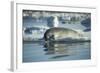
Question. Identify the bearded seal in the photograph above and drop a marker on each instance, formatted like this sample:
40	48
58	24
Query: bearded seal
60	33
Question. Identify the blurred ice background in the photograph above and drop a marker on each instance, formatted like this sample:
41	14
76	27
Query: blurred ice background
35	23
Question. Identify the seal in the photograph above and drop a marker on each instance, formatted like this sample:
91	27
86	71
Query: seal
60	33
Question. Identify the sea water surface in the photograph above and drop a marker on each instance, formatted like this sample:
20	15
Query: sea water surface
39	52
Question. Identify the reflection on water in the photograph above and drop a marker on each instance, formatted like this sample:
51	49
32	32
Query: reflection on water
35	52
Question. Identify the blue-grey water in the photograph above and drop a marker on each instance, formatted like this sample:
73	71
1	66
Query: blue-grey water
37	52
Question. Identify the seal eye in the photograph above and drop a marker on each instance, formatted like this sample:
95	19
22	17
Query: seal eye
50	38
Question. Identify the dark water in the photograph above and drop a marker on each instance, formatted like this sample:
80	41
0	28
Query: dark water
37	52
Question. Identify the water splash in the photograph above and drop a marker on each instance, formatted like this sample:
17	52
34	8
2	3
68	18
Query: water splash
56	22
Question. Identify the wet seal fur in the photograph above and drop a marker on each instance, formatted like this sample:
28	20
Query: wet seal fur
60	33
